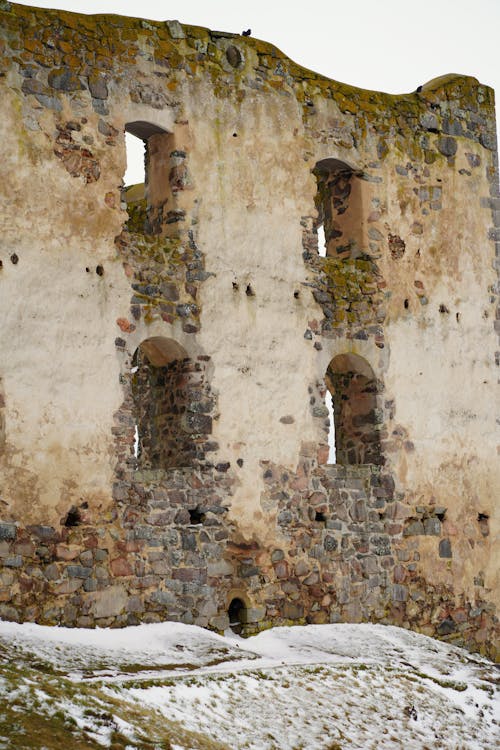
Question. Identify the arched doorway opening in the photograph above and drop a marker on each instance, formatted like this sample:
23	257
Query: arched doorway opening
161	389
354	389
237	614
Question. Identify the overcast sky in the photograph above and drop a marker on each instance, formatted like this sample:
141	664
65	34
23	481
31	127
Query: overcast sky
386	45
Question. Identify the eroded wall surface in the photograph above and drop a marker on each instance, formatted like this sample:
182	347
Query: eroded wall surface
166	354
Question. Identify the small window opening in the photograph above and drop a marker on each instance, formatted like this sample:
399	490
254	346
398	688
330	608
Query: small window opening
406	304
237	615
156	172
320	517
196	516
339	200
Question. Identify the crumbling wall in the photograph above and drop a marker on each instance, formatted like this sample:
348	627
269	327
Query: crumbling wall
197	315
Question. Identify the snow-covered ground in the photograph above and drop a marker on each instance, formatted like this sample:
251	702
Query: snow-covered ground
181	687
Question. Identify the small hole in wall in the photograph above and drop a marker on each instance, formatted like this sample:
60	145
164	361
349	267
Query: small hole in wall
87	269
14	259
99	270
235	135
482	519
234	56
73	517
320	517
443	309
296	294
406	304
457	316
196	516
249	291
237	615
239	461
1	263
441	515
236	286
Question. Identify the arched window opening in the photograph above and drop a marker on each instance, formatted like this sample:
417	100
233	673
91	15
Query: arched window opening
339	205
156	180
237	613
166	394
353	387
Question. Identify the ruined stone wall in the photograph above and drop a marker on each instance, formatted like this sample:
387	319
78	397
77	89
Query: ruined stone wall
200	315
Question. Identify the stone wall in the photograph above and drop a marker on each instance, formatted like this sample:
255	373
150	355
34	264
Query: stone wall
167	349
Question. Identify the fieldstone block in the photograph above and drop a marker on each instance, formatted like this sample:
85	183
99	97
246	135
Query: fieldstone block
429	121
381	545
432	526
15	561
8	613
63	79
330	543
445	548
446	627
284	518
399	593
87	559
78	571
97	86
293	611
51	572
255	614
175	29
7	531
108	603
447	146
69	586
302	568
44	533
247	570
358	511
414	528
120	566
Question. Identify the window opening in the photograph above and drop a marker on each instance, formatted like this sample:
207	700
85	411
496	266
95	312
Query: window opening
162	389
155	172
237	615
353	388
339	205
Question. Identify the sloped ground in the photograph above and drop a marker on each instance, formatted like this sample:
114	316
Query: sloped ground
171	686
